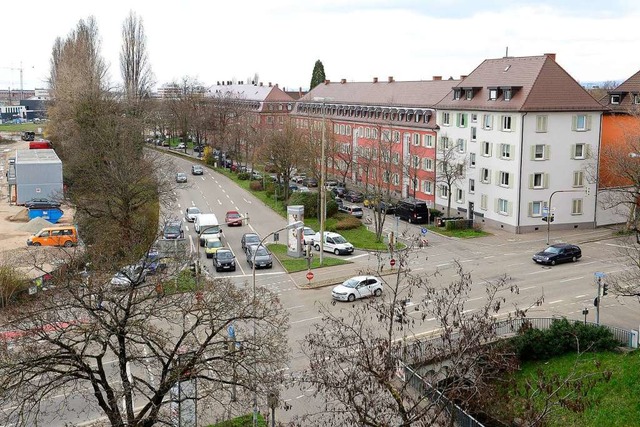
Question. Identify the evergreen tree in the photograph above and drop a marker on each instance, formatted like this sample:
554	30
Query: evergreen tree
317	76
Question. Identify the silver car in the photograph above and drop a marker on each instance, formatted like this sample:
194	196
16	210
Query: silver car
191	213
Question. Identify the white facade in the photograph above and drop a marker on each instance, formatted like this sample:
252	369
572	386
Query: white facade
517	160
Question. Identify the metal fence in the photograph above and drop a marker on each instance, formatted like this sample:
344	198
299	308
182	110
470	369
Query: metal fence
417	351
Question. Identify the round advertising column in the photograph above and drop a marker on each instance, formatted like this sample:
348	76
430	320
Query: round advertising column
294	238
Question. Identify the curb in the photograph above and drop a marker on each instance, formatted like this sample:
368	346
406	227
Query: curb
335	281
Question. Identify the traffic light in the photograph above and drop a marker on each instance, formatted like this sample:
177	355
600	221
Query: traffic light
605	289
544	218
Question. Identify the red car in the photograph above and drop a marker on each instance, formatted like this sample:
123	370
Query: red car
233	218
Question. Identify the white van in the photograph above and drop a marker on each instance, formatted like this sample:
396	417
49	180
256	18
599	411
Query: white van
206	225
333	242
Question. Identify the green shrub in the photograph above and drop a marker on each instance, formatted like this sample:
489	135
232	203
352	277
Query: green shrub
347	222
255	185
457	224
308	200
435	213
244	176
332	207
561	338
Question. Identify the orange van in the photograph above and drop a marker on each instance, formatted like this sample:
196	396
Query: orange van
63	235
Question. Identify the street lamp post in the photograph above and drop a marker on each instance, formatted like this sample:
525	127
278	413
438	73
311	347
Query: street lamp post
549	208
323	195
253	279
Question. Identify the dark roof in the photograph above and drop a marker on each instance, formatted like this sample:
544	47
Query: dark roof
423	93
626	90
538	83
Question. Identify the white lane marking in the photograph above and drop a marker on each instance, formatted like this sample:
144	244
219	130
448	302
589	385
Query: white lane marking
619	246
442	265
356	256
513	265
248	201
555	302
527	288
179	207
220	202
539	271
296	306
305	320
571	279
580	296
490	256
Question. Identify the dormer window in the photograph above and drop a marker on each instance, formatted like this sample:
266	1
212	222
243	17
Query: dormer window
636	98
615	98
507	94
456	94
493	94
468	94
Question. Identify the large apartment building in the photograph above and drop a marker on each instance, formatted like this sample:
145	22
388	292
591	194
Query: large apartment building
531	135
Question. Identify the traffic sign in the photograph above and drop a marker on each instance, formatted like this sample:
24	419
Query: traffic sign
309	275
423	230
232	332
392	262
545	211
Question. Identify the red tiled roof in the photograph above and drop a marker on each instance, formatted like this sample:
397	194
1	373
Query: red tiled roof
626	89
538	83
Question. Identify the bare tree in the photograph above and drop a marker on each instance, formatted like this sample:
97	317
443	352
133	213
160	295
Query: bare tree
134	61
126	349
450	168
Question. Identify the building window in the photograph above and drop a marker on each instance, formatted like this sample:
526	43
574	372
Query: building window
503	206
386	136
461	145
444	142
427	141
581	122
486	149
406	138
578	179
396	179
427	187
578	151
474	133
493	94
444	191
535	208
456	94
505	151
472	160
507	94
488	121
385	176
472	186
462	120
541	123
540	152
505	179
415	161
396	136
484	202
474	118
416	139
615	99
468	94
537	180
269	120
636	98
459	195
427	164
446	118
576	207
485	176
507	123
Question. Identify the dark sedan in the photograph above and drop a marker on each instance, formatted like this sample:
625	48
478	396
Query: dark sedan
41	204
310	182
354	196
555	254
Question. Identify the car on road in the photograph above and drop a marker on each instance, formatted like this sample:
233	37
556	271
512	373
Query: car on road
307	235
555	254
131	275
197	170
354	196
330	184
211	246
310	182
351	210
41	203
333	242
191	213
173	230
260	255
385	207
181	177
358	287
233	218
249	239
339	191
224	260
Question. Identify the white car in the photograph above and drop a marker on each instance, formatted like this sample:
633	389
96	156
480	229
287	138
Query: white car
308	235
358	287
191	213
333	242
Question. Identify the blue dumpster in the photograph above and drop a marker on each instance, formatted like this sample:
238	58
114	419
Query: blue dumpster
52	215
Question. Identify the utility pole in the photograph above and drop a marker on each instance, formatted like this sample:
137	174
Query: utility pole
599	276
549	211
323	193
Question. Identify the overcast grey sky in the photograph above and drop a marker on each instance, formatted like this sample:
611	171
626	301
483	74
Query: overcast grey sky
356	40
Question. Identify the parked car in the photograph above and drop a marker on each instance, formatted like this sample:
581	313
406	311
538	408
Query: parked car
59	235
354	196
249	239
333	242
330	184
299	178
181	146
211	246
351	210
197	170
198	148
310	182
358	287
233	218
224	260
173	230
412	210
191	213
339	191
256	176
41	203
555	254
181	177
385	207
293	188
260	255
131	275
302	189
307	235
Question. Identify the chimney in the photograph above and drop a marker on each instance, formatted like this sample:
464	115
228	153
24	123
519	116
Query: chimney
437	78
551	56
390	79
218	83
300	91
327	82
343	81
269	84
463	76
375	80
260	84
